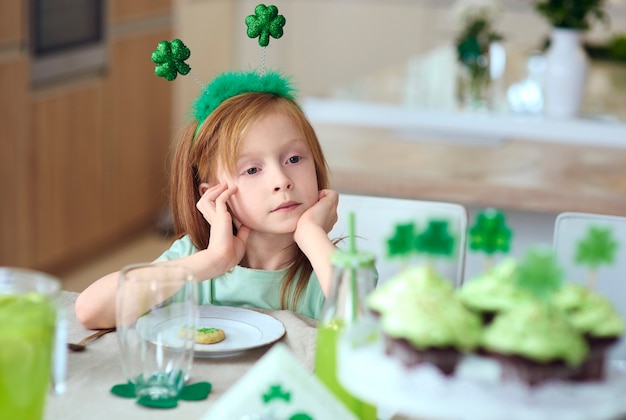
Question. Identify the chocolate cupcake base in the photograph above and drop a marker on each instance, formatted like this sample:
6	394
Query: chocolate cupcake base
594	366
528	372
445	359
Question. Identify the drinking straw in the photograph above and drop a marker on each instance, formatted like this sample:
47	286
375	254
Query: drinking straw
353	256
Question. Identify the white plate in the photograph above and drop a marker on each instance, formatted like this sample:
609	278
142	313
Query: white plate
245	329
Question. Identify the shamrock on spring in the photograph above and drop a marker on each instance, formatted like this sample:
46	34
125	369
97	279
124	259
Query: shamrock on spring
265	22
169	58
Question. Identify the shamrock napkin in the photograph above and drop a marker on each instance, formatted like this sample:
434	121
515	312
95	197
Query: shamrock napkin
279	387
192	392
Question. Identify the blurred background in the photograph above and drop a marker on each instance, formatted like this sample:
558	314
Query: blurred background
86	128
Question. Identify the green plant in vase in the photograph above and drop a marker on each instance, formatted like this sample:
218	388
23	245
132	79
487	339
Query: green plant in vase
566	60
598	247
571	14
472	50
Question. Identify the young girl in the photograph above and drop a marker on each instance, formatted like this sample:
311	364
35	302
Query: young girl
250	203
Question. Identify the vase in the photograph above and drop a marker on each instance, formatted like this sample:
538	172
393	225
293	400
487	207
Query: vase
473	88
566	74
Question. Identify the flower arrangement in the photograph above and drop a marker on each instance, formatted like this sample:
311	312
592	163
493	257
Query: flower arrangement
476	18
572	14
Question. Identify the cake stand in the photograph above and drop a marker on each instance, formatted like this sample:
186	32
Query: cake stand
474	392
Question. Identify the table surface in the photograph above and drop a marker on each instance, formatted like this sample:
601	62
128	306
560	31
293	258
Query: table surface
93	372
510	174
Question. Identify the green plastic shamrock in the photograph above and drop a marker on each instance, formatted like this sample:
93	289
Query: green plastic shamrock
490	234
539	272
435	240
596	248
264	23
169	58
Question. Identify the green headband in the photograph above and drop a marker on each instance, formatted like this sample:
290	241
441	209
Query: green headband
230	84
170	57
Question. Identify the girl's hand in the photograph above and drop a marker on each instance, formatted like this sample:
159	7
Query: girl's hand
322	214
225	248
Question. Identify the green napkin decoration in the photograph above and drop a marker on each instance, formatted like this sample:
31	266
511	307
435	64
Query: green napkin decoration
192	392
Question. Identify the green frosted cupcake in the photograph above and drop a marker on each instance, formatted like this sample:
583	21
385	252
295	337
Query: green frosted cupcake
595	317
431	328
409	285
535	342
494	291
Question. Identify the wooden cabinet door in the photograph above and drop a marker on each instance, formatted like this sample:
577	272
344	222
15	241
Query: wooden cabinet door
15	205
67	159
138	133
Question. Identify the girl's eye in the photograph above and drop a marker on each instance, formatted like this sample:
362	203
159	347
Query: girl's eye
294	159
252	171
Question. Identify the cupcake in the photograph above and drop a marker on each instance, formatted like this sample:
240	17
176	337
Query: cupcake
408	285
494	291
535	342
595	317
430	328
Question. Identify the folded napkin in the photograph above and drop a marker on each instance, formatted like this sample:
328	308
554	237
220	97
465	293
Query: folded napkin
278	387
192	392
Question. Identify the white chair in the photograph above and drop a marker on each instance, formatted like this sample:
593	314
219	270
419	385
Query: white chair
570	228
375	221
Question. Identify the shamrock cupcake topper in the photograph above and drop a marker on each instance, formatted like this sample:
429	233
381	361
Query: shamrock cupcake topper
539	273
434	241
490	234
598	247
170	61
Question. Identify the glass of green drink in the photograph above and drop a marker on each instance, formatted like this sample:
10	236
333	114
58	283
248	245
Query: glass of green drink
29	308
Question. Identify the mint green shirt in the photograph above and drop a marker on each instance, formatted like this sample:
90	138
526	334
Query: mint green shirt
246	287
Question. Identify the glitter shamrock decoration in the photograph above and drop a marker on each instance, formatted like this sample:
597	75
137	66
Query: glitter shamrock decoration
264	23
169	58
596	248
539	273
490	234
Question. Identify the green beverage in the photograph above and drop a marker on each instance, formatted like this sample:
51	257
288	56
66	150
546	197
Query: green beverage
326	369
27	328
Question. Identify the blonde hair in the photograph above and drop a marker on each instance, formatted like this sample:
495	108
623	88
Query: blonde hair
216	144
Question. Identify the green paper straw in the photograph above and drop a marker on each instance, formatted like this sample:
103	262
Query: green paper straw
351	235
352	248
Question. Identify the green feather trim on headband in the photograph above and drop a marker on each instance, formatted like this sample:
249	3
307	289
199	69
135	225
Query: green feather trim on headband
230	84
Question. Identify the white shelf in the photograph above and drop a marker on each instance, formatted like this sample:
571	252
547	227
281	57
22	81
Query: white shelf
464	126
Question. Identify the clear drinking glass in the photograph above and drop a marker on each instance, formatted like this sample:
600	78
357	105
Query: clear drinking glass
156	320
30	312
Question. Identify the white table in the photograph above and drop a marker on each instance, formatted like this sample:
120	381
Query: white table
93	372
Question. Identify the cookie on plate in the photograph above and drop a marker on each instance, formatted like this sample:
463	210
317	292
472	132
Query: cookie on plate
210	335
204	335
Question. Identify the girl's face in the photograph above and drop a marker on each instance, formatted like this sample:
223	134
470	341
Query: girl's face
275	176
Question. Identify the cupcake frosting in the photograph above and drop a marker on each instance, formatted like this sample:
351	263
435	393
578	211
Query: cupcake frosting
434	320
408	285
590	313
536	331
495	290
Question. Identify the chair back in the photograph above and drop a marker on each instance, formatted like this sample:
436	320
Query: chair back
375	222
608	279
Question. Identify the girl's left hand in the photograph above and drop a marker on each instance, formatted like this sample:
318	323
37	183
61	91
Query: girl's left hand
322	214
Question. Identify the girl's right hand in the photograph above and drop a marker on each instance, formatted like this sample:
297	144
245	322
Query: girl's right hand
225	248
